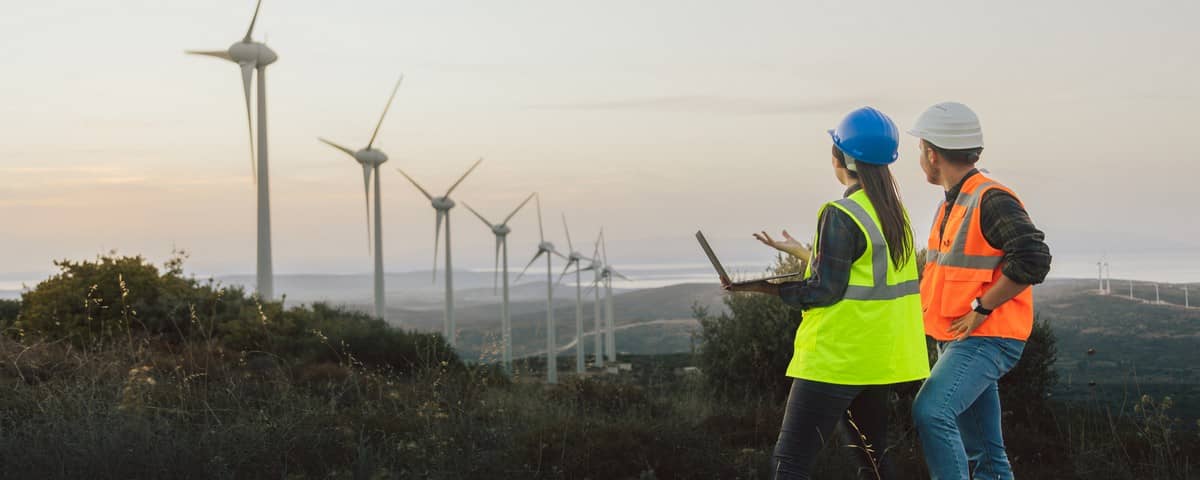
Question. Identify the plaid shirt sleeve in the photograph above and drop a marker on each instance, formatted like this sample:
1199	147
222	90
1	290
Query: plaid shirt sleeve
1007	226
840	243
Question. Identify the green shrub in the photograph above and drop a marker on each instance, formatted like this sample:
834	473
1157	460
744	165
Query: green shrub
745	352
111	297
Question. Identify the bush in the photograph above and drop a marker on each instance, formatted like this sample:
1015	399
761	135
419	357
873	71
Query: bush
1025	390
8	312
745	352
114	296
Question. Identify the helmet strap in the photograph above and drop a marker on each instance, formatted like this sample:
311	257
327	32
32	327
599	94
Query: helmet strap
850	164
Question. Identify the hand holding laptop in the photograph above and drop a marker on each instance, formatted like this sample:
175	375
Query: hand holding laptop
759	285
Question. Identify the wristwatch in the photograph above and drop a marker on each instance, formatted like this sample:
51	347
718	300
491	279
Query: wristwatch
978	306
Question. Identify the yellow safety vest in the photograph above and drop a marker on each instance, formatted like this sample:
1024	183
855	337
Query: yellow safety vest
874	335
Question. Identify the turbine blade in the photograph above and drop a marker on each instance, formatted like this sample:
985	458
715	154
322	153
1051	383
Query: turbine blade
604	247
415	184
596	251
515	210
564	273
484	220
222	54
247	75
589	289
339	147
253	20
367	203
385	110
496	268
437	238
570	246
464	176
541	232
530	264
618	274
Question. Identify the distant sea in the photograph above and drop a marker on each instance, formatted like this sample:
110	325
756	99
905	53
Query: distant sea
1177	266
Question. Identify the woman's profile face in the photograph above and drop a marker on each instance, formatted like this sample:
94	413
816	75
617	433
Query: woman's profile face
838	171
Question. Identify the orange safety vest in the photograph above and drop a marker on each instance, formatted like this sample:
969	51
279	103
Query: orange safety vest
960	266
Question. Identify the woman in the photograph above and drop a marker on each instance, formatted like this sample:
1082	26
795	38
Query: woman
862	330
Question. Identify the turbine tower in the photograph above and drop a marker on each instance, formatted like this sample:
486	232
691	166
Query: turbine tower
371	159
573	258
1108	276
251	56
606	273
1100	269
596	267
501	231
547	249
442	205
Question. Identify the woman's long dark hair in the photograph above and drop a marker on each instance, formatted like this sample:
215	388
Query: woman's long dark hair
880	186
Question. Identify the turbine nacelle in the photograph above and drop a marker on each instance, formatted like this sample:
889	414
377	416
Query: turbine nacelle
501	230
370	157
546	247
443	203
255	53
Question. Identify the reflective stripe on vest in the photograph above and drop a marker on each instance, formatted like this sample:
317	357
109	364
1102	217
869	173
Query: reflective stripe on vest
957	256
880	290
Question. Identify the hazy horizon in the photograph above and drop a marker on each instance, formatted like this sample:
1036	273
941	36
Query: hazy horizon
652	120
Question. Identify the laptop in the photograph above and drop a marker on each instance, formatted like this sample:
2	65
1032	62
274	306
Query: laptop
712	257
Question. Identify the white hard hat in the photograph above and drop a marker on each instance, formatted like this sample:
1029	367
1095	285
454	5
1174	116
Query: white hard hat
949	125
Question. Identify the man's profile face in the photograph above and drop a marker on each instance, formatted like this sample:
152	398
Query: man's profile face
926	158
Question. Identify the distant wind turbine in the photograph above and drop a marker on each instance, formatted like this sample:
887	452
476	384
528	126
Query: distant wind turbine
596	267
573	258
251	56
501	230
442	205
371	159
607	272
1108	277
547	249
1100	269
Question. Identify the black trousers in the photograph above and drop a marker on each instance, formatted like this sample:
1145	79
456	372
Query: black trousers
814	409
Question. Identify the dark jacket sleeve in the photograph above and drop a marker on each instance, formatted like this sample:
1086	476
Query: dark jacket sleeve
840	242
1007	227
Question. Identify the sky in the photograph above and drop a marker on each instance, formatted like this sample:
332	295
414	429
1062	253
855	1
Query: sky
652	119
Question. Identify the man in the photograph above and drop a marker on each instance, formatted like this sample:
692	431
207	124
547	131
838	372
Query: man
983	256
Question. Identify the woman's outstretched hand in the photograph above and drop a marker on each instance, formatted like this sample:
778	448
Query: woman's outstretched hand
787	245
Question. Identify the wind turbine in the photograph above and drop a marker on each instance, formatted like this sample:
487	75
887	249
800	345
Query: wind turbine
251	56
547	249
1100	269
442	205
573	258
501	231
606	273
596	266
371	159
1108	275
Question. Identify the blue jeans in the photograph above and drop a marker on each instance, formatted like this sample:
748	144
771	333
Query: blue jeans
957	411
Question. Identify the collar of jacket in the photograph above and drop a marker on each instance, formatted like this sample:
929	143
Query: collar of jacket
952	194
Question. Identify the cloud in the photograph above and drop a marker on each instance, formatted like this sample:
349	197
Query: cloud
714	104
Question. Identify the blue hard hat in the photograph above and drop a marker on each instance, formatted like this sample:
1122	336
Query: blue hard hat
869	136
